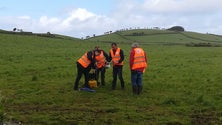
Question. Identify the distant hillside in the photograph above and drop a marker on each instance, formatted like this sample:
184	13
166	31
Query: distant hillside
48	34
146	36
158	37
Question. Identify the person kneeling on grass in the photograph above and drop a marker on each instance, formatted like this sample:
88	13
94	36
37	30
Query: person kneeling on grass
138	64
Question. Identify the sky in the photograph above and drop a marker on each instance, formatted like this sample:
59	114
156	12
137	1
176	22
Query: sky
81	18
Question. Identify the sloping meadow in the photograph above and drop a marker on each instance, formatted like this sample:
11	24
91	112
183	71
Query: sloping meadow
182	85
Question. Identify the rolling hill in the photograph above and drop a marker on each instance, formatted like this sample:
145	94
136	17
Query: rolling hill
159	37
182	85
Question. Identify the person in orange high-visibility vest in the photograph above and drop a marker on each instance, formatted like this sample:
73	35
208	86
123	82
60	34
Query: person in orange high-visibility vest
101	58
138	64
116	55
84	65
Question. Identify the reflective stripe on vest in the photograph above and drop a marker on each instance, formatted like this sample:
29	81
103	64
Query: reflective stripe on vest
139	59
116	57
84	61
100	60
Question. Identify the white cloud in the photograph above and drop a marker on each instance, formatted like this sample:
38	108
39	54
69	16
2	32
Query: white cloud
10	22
193	15
78	23
45	21
80	14
182	6
76	16
24	17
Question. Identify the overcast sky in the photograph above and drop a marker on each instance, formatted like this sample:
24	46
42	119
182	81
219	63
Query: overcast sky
79	18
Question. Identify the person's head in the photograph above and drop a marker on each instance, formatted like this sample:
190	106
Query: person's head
135	45
114	46
97	52
97	48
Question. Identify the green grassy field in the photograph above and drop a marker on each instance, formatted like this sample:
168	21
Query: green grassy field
182	85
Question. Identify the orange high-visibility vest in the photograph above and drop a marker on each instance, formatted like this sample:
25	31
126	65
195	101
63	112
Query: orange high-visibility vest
116	57
139	59
84	61
100	60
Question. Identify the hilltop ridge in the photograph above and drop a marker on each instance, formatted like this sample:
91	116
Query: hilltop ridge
151	36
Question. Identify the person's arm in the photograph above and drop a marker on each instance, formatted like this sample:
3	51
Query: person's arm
91	57
106	55
145	57
131	60
121	56
110	57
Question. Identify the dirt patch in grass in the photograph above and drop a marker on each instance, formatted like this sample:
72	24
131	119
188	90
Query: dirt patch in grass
49	108
64	114
206	117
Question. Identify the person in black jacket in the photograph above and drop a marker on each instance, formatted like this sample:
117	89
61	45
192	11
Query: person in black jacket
117	56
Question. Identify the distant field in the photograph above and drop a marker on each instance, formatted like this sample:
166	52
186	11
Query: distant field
182	85
159	37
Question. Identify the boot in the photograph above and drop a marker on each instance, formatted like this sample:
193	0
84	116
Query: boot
75	86
139	90
134	90
98	83
113	86
103	82
122	85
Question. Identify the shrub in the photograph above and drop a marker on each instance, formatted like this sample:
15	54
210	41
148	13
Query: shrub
176	28
201	45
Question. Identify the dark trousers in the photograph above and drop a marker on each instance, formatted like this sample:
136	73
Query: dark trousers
117	71
101	71
136	80
81	70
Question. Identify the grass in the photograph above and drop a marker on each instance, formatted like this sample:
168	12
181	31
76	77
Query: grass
181	86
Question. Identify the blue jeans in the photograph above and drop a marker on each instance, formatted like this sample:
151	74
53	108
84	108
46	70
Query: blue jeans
136	78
